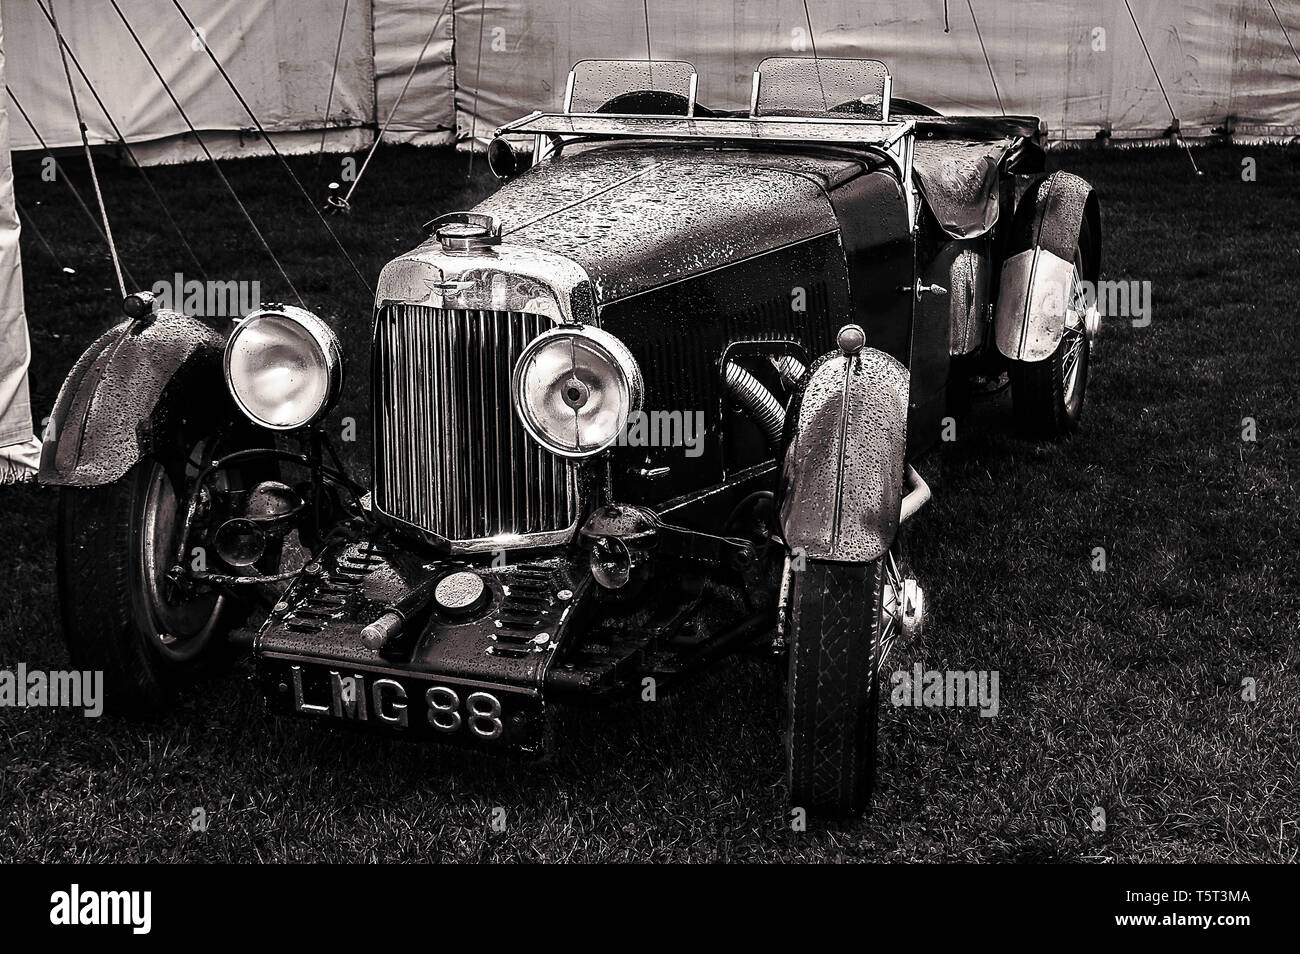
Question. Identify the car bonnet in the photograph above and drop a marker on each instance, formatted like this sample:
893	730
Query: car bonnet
639	217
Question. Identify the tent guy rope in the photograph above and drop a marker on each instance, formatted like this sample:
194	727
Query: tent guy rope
61	174
345	203
208	153
126	147
1173	115
334	75
90	159
984	50
274	149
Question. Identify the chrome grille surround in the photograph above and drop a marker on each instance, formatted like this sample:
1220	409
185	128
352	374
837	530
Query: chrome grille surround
451	460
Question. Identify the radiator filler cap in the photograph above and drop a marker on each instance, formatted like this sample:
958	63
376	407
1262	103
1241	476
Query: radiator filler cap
460	593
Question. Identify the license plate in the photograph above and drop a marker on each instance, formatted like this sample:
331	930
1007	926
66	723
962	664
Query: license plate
450	710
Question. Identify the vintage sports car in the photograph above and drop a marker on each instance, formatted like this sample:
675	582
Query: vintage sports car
654	402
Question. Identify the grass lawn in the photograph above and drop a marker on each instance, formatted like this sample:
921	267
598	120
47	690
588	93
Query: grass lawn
1120	690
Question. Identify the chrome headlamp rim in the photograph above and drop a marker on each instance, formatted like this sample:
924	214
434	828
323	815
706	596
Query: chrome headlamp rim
619	358
320	334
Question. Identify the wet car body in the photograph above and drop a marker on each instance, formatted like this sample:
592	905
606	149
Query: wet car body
789	298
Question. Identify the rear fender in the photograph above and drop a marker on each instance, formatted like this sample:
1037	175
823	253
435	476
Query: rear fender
110	406
1038	271
842	480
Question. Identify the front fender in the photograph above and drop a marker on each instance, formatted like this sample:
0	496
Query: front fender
1038	273
841	484
109	406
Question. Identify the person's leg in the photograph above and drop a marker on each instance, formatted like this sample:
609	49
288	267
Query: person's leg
19	462
19	451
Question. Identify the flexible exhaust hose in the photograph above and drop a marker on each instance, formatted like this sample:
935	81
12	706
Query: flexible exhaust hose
766	410
790	368
758	403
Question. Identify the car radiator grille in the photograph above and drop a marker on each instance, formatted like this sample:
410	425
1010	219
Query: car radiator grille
450	454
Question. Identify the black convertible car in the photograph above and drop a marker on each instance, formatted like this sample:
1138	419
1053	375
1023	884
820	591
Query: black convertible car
654	402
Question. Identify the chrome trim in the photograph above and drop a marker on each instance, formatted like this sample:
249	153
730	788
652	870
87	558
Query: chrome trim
451	461
505	541
505	277
918	495
619	358
837	130
477	231
892	140
324	338
568	90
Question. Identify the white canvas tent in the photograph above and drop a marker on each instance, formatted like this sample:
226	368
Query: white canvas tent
332	73
280	53
1082	68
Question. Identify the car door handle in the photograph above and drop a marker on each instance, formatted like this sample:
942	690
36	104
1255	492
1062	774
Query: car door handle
920	290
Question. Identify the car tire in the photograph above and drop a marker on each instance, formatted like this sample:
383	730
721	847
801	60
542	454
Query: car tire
120	615
1047	396
833	687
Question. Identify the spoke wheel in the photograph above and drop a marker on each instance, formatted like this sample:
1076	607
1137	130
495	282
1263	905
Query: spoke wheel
1074	341
122	613
889	624
180	624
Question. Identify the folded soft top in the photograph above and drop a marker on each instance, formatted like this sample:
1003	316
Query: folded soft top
956	161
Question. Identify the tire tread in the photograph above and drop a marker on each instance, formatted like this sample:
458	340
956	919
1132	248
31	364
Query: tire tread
833	687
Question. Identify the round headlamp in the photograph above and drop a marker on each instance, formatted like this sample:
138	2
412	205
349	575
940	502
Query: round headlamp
284	367
574	390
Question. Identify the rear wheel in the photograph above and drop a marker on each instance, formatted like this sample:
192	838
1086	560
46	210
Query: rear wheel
835	653
1047	395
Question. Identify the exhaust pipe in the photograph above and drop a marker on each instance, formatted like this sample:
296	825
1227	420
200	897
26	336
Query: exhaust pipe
918	495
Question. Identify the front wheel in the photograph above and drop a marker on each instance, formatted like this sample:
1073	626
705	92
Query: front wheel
122	615
834	656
